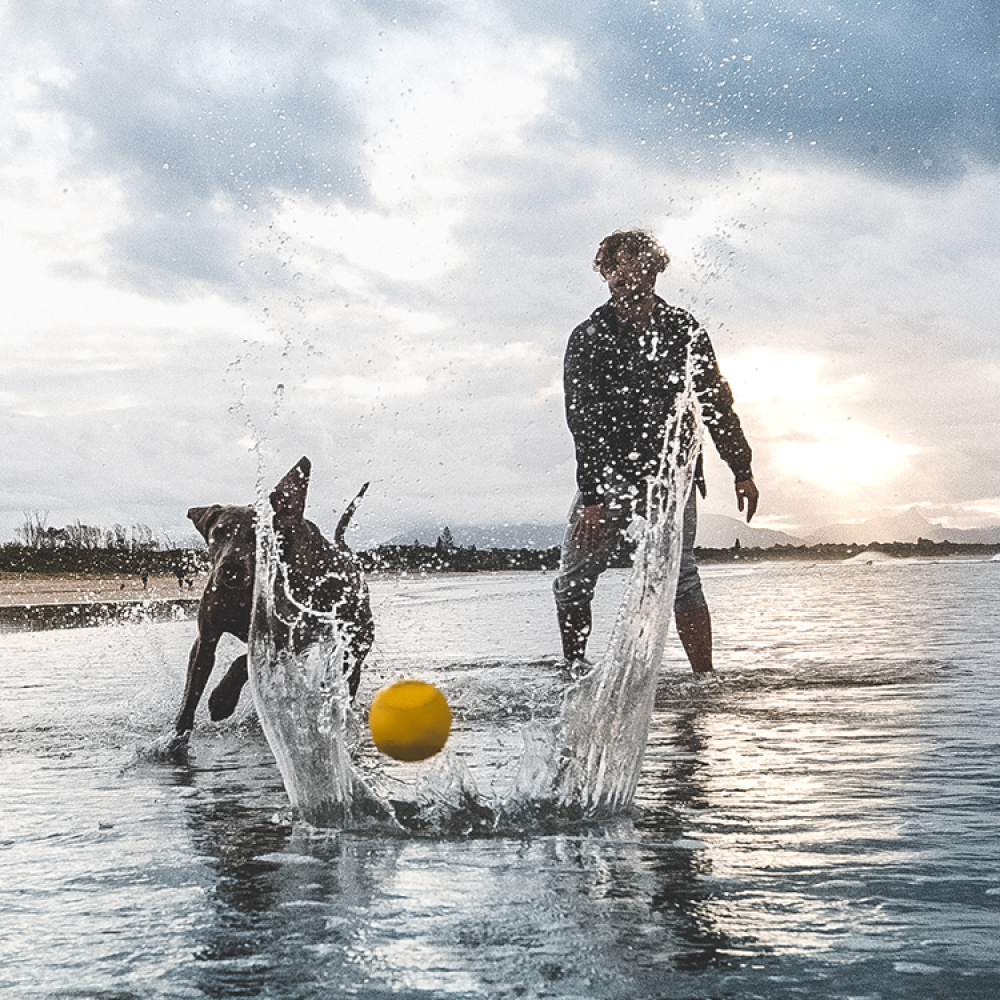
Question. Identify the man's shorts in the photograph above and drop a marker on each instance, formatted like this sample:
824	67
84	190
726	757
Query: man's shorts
578	570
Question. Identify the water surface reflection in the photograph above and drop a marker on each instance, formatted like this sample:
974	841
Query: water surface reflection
818	820
294	909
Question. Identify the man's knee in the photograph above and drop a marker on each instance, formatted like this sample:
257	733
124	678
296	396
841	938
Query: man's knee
689	594
573	591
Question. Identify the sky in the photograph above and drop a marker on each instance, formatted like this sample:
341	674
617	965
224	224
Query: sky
235	233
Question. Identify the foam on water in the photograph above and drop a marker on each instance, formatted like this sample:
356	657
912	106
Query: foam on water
585	766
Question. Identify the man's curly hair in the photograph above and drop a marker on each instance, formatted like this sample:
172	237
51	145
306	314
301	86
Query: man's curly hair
637	242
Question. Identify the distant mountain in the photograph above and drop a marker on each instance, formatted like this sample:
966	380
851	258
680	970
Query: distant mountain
715	532
718	532
905	527
966	536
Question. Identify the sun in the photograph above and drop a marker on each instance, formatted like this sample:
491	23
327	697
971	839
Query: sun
812	427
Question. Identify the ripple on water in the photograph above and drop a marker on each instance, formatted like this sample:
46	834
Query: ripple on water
818	819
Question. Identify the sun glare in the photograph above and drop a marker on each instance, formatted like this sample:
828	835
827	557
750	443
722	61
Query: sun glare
815	428
854	458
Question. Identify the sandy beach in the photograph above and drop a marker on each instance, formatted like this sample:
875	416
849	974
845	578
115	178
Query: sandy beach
32	589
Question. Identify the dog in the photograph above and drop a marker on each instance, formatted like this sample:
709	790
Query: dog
322	573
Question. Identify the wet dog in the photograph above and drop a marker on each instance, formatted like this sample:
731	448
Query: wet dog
320	573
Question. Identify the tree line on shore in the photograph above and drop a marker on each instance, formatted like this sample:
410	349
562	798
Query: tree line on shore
186	563
183	563
134	550
922	548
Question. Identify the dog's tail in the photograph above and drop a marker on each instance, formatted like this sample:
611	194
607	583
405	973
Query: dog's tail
345	519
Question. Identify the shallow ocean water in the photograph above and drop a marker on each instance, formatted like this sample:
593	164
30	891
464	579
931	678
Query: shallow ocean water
817	820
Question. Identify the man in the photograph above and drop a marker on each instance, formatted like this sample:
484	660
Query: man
624	369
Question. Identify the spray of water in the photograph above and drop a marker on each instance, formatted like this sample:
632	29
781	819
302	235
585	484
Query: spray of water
301	695
584	767
591	768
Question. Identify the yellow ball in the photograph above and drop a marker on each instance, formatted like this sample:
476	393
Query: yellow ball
409	720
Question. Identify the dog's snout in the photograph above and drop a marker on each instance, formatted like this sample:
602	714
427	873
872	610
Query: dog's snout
236	575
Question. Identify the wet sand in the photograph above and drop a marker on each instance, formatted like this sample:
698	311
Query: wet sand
33	589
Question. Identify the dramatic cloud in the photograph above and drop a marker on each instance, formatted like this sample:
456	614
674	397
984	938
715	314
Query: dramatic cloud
239	233
908	88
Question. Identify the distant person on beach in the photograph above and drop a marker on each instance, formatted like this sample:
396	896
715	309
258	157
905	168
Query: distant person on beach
624	370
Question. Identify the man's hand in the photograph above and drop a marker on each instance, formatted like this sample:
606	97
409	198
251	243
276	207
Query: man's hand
746	490
590	529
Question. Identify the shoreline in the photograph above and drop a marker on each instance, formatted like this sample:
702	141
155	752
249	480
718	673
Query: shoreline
32	590
40	590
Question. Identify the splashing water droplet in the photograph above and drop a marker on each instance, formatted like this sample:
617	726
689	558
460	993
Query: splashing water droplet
583	767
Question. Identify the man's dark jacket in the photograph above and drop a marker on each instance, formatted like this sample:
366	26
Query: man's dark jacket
621	387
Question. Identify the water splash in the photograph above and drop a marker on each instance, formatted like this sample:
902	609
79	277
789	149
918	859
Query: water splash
598	744
301	695
583	767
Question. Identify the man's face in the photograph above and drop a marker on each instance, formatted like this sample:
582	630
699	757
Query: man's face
631	278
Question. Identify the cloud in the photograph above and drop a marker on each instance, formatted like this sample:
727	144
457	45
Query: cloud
328	290
195	113
870	301
905	89
235	241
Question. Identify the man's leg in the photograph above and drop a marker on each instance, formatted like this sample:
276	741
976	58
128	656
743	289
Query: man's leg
691	615
574	630
694	626
576	581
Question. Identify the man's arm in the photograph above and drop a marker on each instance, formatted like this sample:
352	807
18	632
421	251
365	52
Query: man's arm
585	412
716	401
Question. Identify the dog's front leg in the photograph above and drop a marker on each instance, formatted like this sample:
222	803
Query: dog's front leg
200	664
223	700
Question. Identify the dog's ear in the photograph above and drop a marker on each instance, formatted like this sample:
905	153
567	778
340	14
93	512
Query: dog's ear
288	499
203	518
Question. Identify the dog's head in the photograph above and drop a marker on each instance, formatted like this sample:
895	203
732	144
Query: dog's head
232	542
